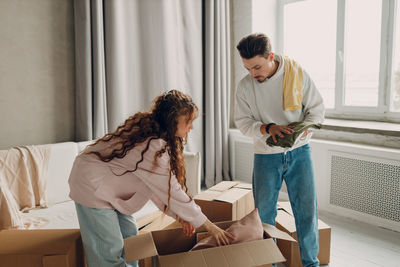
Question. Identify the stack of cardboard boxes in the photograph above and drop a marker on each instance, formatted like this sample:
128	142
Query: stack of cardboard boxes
225	202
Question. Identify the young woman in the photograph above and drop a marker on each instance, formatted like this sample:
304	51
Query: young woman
119	173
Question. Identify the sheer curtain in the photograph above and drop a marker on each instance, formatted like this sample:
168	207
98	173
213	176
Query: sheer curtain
127	52
217	87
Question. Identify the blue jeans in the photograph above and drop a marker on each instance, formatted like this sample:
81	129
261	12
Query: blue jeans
295	167
103	232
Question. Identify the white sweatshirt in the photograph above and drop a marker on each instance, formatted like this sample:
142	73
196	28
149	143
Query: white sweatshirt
262	103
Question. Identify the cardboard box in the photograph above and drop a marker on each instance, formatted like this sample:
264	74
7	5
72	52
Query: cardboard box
161	222
41	248
155	222
148	219
226	201
290	250
170	248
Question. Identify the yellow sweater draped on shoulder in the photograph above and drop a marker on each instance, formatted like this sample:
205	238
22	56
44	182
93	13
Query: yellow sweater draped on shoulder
292	85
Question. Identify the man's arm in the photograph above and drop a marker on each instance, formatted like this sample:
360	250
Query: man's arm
313	106
244	118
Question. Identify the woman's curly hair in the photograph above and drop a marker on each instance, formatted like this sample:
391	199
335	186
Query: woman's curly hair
160	122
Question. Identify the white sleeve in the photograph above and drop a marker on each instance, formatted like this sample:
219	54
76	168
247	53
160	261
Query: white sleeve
313	106
243	116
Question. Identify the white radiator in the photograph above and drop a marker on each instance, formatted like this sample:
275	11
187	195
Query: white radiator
241	156
368	185
356	181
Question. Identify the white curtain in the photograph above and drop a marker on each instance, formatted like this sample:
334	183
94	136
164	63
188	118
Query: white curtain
217	87
90	83
127	52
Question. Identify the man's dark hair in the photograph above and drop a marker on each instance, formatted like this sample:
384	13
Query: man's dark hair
254	45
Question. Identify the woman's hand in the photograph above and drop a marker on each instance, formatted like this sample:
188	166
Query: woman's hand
220	235
187	228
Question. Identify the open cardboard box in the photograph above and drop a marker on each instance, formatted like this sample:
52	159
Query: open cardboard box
170	248
41	248
290	250
155	222
226	201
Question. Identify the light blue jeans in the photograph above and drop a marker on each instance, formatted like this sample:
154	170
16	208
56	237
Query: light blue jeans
103	232
295	167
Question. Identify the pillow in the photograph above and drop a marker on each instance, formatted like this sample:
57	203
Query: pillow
249	228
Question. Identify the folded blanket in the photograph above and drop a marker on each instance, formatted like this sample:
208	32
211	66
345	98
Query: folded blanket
23	172
292	85
9	210
288	140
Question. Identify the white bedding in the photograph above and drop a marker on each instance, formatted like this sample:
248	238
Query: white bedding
63	215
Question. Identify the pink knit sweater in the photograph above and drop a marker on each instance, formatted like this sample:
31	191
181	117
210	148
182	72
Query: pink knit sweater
97	184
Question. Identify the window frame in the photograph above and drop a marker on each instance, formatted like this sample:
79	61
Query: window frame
387	45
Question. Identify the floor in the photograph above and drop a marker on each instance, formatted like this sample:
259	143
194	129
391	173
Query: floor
358	244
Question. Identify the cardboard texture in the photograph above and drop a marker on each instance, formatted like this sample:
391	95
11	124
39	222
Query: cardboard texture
226	201
154	222
146	220
171	248
41	248
201	236
290	250
161	222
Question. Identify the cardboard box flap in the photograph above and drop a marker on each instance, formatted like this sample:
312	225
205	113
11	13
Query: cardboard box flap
286	206
272	231
264	252
139	247
192	258
322	225
223	186
148	219
232	195
208	195
162	222
244	186
254	253
286	221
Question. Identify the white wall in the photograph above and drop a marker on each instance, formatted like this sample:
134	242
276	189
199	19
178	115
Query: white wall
36	72
265	19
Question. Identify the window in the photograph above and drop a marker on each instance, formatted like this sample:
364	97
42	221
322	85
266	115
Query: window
313	48
395	85
351	49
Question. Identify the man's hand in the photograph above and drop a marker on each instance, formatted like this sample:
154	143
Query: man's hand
187	228
279	130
